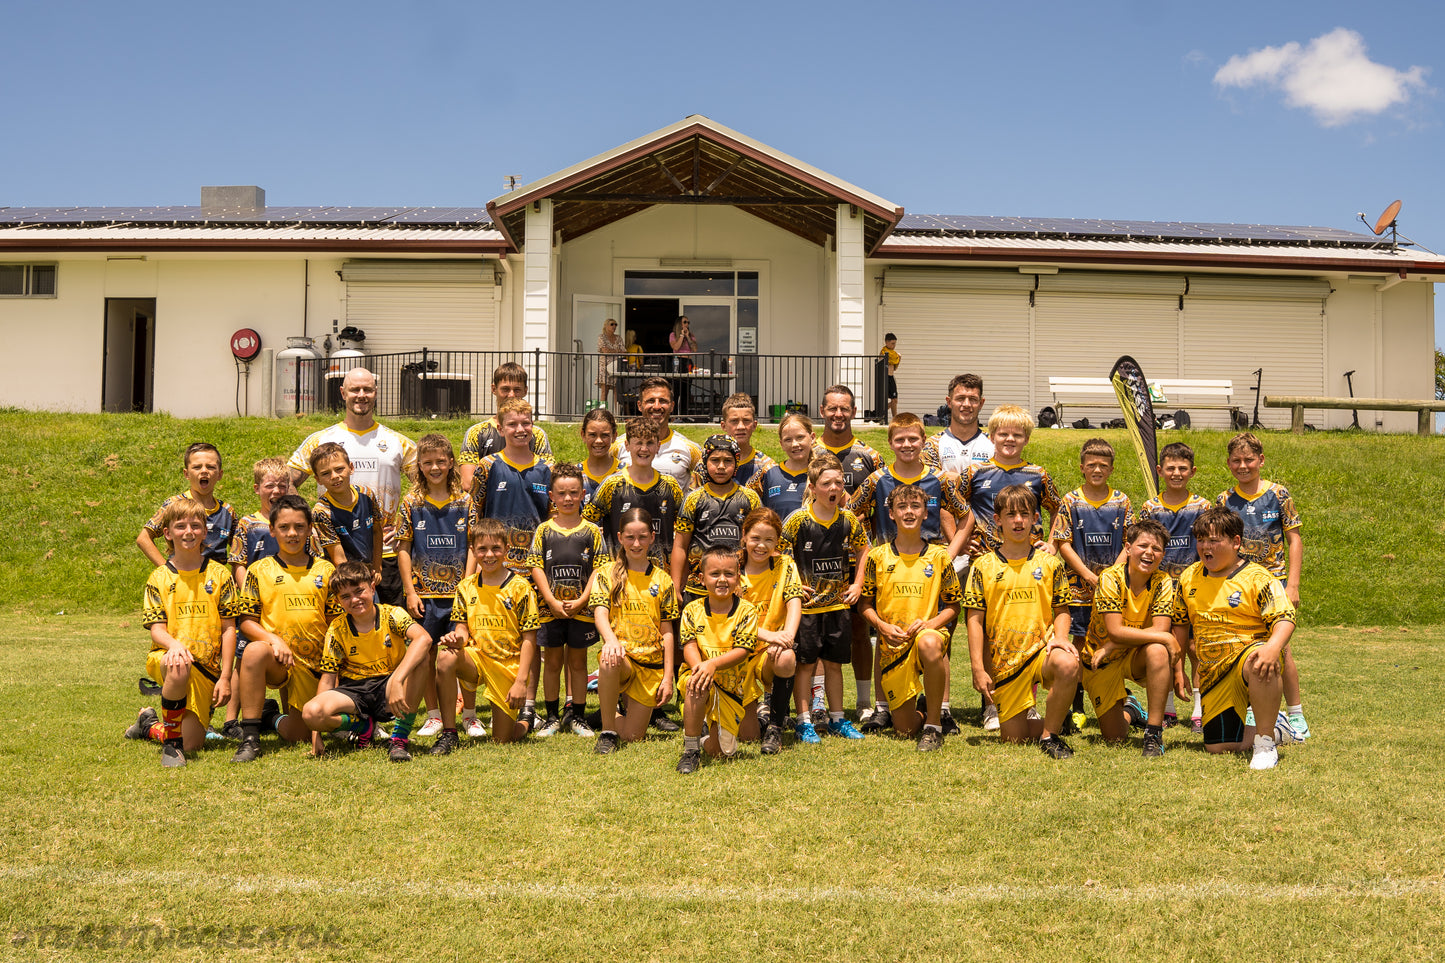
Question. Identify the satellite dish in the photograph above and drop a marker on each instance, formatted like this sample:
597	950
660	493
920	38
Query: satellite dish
1386	220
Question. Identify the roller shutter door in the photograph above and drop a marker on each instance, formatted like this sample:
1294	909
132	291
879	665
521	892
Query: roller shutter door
1231	337
409	305
1082	335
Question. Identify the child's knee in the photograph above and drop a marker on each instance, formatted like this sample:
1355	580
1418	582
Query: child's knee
930	646
785	664
313	715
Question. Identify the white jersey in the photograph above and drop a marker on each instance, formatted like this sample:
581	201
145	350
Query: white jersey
379	457
676	457
954	455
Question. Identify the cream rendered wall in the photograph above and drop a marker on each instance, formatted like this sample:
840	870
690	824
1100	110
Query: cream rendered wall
56	345
1409	340
794	310
1387	338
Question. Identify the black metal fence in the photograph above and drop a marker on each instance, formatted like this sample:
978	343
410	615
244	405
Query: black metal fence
562	386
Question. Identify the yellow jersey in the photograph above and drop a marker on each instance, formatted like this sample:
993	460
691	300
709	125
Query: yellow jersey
1228	613
1139	611
367	655
192	606
647	601
1019	598
909	587
771	591
497	615
297	603
717	635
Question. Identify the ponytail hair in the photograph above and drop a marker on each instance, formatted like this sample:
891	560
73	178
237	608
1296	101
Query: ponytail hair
617	576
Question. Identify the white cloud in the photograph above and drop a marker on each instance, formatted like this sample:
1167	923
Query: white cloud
1332	77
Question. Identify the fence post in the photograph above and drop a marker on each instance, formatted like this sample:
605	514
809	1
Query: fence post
537	382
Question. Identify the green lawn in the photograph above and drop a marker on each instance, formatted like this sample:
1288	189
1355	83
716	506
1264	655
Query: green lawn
843	851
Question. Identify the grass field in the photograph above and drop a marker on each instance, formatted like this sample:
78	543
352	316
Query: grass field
843	851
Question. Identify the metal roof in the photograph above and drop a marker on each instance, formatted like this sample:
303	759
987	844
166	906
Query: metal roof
402	239
973	225
461	217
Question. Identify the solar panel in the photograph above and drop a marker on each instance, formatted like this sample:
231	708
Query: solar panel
1096	227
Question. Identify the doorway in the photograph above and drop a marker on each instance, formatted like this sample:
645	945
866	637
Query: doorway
652	320
128	369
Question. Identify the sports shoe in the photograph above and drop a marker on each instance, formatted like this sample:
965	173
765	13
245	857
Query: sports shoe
574	723
880	719
474	727
806	733
1266	756
397	752
1153	746
250	751
990	718
1196	725
171	755
592	682
1170	720
431	727
550	727
232	730
662	723
147	687
864	714
445	743
690	762
607	743
1284	733
528	718
1056	748
1134	711
945	719
772	741
141	728
844	728
930	739
363	738
1300	727
765	713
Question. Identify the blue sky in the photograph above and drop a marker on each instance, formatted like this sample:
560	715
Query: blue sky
1110	109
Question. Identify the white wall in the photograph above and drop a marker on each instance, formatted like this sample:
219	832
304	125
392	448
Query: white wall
55	346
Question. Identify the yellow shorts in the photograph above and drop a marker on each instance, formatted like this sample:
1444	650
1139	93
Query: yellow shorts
645	681
1105	685
1230	690
499	677
300	686
901	675
757	664
1017	694
198	695
726	707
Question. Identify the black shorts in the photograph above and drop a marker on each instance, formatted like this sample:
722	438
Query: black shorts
1079	616
573	633
391	591
827	636
368	695
892	388
1225	727
436	616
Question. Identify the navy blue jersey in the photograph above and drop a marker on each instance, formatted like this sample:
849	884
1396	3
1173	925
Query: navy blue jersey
870	504
515	495
352	527
780	489
1178	520
438	537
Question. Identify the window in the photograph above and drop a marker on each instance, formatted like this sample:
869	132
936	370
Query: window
27	280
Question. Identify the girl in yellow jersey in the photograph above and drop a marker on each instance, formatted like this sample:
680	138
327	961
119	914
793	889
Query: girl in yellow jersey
770	582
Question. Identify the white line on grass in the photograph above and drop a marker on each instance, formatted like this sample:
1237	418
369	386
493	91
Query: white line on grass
954	893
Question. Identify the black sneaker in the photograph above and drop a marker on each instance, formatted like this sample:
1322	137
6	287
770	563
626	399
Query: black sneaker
172	755
250	751
1056	748
772	741
232	730
662	723
528	717
930	739
690	762
1153	746
141	728
270	712
446	742
147	687
607	743
945	719
397	752
880	719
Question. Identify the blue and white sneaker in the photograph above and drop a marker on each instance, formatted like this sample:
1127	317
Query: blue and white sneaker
1300	727
844	728
806	733
1134	711
1284	733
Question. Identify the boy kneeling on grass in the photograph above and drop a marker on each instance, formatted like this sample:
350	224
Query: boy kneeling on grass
493	641
190	609
1240	620
373	665
719	640
911	597
1018	627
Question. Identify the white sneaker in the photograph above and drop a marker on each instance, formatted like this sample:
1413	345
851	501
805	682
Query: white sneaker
475	729
1284	733
990	718
431	727
1266	756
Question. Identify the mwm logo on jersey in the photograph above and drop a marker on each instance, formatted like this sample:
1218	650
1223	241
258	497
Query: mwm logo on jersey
1021	595
193	608
300	603
909	590
1098	538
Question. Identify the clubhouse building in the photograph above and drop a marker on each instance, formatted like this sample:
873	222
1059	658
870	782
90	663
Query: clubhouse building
117	309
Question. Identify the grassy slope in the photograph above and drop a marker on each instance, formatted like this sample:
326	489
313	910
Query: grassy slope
75	489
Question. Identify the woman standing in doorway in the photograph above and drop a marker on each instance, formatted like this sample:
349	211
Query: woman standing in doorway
610	350
684	346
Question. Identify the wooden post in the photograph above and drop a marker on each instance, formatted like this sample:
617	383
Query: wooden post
1297	419
1423	428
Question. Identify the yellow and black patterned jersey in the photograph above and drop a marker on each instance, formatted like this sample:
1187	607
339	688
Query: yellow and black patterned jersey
824	553
1267	515
637	619
1139	611
220	526
437	534
296	603
193	607
713	520
1228	613
754	464
366	655
485	438
1018	598
662	497
677	457
905	588
771	591
567	556
716	635
1096	532
497	615
981	482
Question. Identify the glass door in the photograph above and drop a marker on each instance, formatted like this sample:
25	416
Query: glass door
589	313
713	324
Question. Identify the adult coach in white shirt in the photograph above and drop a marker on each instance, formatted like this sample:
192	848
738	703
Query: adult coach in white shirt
676	456
963	442
379	458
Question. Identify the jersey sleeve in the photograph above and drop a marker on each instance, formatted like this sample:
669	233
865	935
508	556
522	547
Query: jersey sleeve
227	603
249	602
1288	515
236	551
667	597
601	592
1274	605
870	576
862	501
1061	526
788	537
404	524
790	583
157	521
398	622
688	627
528	617
479	488
471	451
950	590
153	601
600	504
542	445
333	650
1109	593
973	596
536	554
323	530
857	538
754	500
755	484
931	457
1052	500
301	458
685	523
1162	605
1060	593
745	630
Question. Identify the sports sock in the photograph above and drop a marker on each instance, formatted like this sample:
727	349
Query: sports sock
1198	705
361	724
927	726
691	743
779	699
865	693
344	721
470	715
402	729
530	704
433	713
551	705
944	707
172	711
157	733
1169	703
835	716
251	728
1294	710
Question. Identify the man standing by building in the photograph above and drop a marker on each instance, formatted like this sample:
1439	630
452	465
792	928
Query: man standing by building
379	459
963	442
676	456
